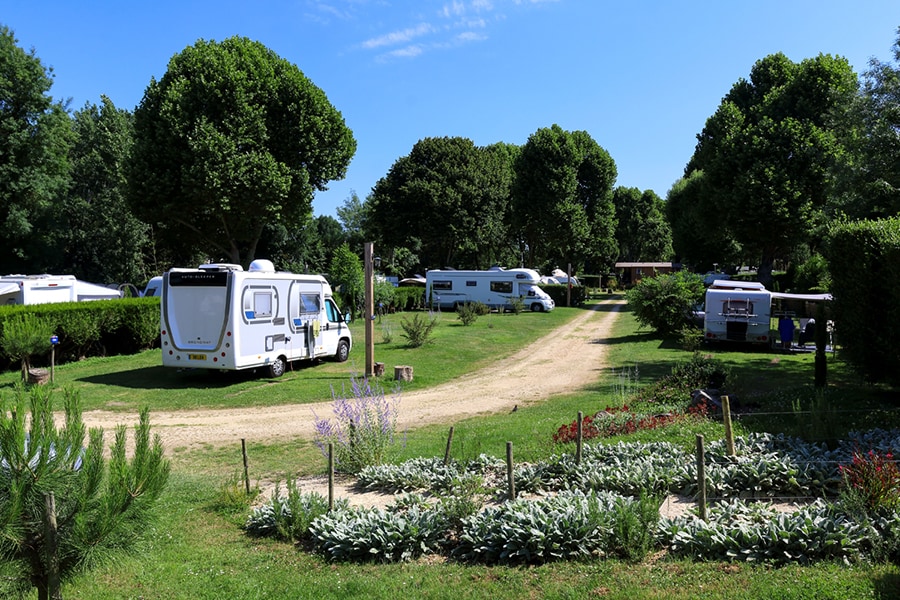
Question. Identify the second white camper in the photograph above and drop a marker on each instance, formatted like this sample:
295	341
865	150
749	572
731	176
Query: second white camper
496	288
219	316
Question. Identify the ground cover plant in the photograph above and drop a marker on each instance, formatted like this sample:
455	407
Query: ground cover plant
199	549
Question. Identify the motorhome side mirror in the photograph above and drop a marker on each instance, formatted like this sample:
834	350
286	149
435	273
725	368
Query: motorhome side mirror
347	317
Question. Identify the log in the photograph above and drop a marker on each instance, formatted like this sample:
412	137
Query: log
403	373
38	376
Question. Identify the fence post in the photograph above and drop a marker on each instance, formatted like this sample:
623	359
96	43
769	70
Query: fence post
330	476
447	450
580	439
726	420
701	476
511	480
246	468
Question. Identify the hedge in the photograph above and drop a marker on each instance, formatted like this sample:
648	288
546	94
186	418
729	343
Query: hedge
864	260
97	328
558	292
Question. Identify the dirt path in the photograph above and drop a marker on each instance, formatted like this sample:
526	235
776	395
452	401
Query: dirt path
564	361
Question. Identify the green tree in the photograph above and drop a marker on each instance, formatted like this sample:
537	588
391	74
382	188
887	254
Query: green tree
100	506
665	302
346	274
233	138
642	230
561	205
700	237
24	336
771	152
445	202
104	241
352	215
34	143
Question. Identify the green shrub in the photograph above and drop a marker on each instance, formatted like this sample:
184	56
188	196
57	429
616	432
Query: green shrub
665	302
24	336
560	293
418	329
288	517
467	313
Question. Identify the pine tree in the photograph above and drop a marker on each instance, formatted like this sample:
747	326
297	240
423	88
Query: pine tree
100	505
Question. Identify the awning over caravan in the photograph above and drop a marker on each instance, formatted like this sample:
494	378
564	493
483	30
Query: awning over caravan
92	291
805	297
8	288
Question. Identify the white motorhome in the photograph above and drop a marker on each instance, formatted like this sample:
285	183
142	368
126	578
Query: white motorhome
737	311
220	317
46	289
496	287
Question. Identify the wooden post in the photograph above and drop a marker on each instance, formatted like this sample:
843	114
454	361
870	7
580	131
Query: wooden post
246	468
510	477
729	431
52	362
701	476
369	310
330	476
447	450
51	547
569	286
579	440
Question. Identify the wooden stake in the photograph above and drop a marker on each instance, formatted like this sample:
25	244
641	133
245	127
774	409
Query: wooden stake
330	476
579	440
246	468
729	431
511	480
701	476
447	450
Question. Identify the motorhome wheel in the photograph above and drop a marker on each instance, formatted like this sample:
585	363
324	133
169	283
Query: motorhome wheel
343	351
276	367
537	307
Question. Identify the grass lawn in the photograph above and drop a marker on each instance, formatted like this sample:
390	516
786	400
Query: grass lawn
197	550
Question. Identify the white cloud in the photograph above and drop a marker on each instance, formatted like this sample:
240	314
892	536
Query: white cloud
399	37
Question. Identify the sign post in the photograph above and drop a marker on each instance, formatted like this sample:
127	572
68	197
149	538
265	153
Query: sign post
54	340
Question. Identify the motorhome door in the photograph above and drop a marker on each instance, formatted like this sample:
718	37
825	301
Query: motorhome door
305	315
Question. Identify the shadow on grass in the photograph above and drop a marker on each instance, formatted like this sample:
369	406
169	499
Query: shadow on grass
168	378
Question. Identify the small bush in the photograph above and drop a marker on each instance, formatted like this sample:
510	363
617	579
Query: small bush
467	313
418	329
872	480
517	305
25	336
665	302
288	518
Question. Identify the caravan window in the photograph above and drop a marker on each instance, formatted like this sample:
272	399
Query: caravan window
262	304
442	285
471	284
309	303
501	287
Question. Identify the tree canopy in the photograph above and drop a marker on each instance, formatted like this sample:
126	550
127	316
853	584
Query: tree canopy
34	145
561	205
642	230
233	138
771	150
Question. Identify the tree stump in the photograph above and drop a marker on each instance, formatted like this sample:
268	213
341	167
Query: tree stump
403	373
38	376
379	369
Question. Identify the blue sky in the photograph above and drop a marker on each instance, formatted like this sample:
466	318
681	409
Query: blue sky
641	76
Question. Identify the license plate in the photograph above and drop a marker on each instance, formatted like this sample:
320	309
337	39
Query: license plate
196	357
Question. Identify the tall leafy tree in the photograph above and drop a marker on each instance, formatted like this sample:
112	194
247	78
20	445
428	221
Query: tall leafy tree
352	215
874	190
34	143
104	241
561	205
447	198
346	274
233	138
771	151
700	237
642	230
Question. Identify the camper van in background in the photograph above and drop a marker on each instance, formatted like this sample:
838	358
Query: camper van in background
497	288
46	289
220	317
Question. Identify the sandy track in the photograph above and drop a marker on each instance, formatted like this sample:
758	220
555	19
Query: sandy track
565	360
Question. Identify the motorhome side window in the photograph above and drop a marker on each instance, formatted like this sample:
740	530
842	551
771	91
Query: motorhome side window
442	285
471	284
258	304
501	287
309	303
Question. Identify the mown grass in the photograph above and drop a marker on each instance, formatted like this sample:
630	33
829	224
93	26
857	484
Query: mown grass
196	548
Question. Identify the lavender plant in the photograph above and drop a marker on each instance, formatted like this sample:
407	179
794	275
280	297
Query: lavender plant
363	428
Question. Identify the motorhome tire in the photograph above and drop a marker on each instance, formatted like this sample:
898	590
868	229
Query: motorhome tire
343	351
276	367
537	307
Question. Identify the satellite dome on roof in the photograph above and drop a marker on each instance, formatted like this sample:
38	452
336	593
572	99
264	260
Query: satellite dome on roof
261	265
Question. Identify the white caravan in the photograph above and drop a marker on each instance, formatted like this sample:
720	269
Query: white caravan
46	289
741	311
737	311
497	287
219	316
